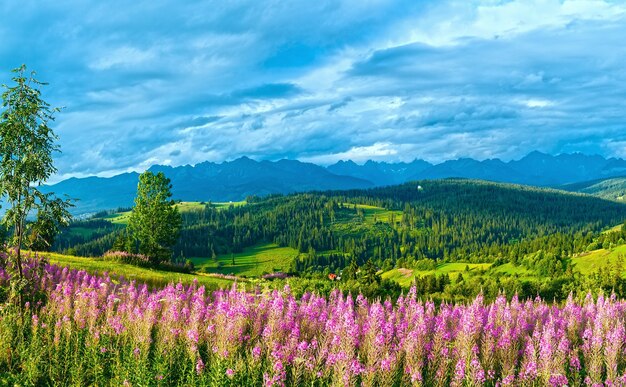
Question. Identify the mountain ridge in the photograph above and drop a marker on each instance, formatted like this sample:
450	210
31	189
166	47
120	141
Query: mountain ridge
235	180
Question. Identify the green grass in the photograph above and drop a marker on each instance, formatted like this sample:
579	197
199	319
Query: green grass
590	262
252	262
510	269
118	218
613	229
224	205
190	206
405	276
402	276
375	220
122	218
150	276
586	263
194	206
373	214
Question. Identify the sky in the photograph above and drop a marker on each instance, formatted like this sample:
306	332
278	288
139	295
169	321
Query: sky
182	82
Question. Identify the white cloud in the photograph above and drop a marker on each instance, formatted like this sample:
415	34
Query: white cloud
357	154
449	22
537	103
124	56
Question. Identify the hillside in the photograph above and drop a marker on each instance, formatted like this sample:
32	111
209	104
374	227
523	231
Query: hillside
452	219
613	188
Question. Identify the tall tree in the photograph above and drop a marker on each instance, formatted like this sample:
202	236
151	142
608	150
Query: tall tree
27	144
155	221
369	275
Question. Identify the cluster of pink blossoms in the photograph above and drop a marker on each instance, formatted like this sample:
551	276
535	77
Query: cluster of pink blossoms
283	340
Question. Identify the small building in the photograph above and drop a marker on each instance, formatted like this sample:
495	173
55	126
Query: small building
332	276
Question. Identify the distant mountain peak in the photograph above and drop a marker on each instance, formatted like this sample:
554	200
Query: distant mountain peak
236	179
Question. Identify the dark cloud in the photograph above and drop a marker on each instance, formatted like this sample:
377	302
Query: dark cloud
183	82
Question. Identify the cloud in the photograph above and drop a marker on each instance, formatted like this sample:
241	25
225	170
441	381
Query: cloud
537	103
123	57
380	150
182	83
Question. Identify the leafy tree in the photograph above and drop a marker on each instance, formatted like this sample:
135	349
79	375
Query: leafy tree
26	147
47	226
154	222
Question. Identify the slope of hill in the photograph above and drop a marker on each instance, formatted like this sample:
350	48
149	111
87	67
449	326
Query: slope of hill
442	219
612	188
493	170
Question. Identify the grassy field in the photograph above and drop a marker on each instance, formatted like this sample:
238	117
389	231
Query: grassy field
375	219
588	263
585	264
510	269
123	217
374	214
222	205
118	218
252	262
150	276
405	276
613	229
190	206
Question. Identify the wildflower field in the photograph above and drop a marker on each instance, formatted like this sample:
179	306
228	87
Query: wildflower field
83	329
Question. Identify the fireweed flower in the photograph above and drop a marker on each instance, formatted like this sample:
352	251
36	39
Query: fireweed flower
276	338
199	366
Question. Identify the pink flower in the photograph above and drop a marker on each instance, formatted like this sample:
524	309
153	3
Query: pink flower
199	366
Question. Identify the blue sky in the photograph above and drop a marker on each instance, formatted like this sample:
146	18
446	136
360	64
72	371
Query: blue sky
180	82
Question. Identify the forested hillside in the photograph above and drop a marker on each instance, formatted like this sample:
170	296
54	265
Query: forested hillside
613	189
398	226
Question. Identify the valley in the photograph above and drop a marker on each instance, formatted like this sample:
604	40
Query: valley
469	235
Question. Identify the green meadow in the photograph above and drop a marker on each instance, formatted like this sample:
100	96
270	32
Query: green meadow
130	272
251	262
593	261
405	277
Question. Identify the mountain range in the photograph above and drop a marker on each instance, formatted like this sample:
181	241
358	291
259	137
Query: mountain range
237	179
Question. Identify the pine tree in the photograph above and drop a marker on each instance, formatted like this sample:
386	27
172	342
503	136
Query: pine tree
349	273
